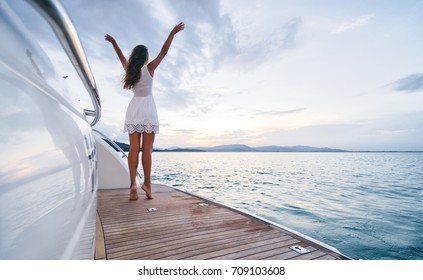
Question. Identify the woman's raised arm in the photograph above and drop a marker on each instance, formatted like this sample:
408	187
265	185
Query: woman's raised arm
118	51
154	63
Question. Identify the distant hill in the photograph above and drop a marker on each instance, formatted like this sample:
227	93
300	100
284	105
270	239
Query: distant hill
230	148
240	148
295	149
245	148
174	149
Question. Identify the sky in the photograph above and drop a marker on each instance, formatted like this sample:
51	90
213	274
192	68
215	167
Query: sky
324	73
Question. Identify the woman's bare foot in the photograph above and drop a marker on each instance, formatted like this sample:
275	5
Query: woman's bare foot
133	195
147	191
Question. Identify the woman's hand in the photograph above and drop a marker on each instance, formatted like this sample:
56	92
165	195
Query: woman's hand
109	38
178	28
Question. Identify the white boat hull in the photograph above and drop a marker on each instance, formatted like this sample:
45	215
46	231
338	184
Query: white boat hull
48	184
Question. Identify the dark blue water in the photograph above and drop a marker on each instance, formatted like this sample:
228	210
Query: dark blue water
368	205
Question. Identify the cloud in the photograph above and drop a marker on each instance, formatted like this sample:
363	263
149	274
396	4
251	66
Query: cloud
391	132
238	136
130	21
357	23
209	35
286	37
411	83
255	51
208	43
174	98
211	41
279	113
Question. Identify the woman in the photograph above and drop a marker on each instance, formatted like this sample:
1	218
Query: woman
141	120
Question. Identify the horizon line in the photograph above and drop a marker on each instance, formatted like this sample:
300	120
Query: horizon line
335	150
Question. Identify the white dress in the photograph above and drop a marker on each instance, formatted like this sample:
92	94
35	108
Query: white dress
141	115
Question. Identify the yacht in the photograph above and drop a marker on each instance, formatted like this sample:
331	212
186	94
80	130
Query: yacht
64	184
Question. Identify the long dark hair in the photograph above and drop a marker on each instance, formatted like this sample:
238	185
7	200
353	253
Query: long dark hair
137	59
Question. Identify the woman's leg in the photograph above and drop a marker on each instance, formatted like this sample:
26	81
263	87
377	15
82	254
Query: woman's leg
133	159
147	151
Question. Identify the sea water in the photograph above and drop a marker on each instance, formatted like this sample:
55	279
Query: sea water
367	205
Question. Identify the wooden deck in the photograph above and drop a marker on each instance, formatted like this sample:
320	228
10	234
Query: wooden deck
184	228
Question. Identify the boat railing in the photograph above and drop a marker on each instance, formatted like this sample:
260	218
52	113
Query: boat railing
114	145
57	17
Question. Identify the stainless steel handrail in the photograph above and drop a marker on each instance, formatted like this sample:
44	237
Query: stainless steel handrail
56	15
114	145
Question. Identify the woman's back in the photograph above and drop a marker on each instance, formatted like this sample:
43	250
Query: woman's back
144	87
